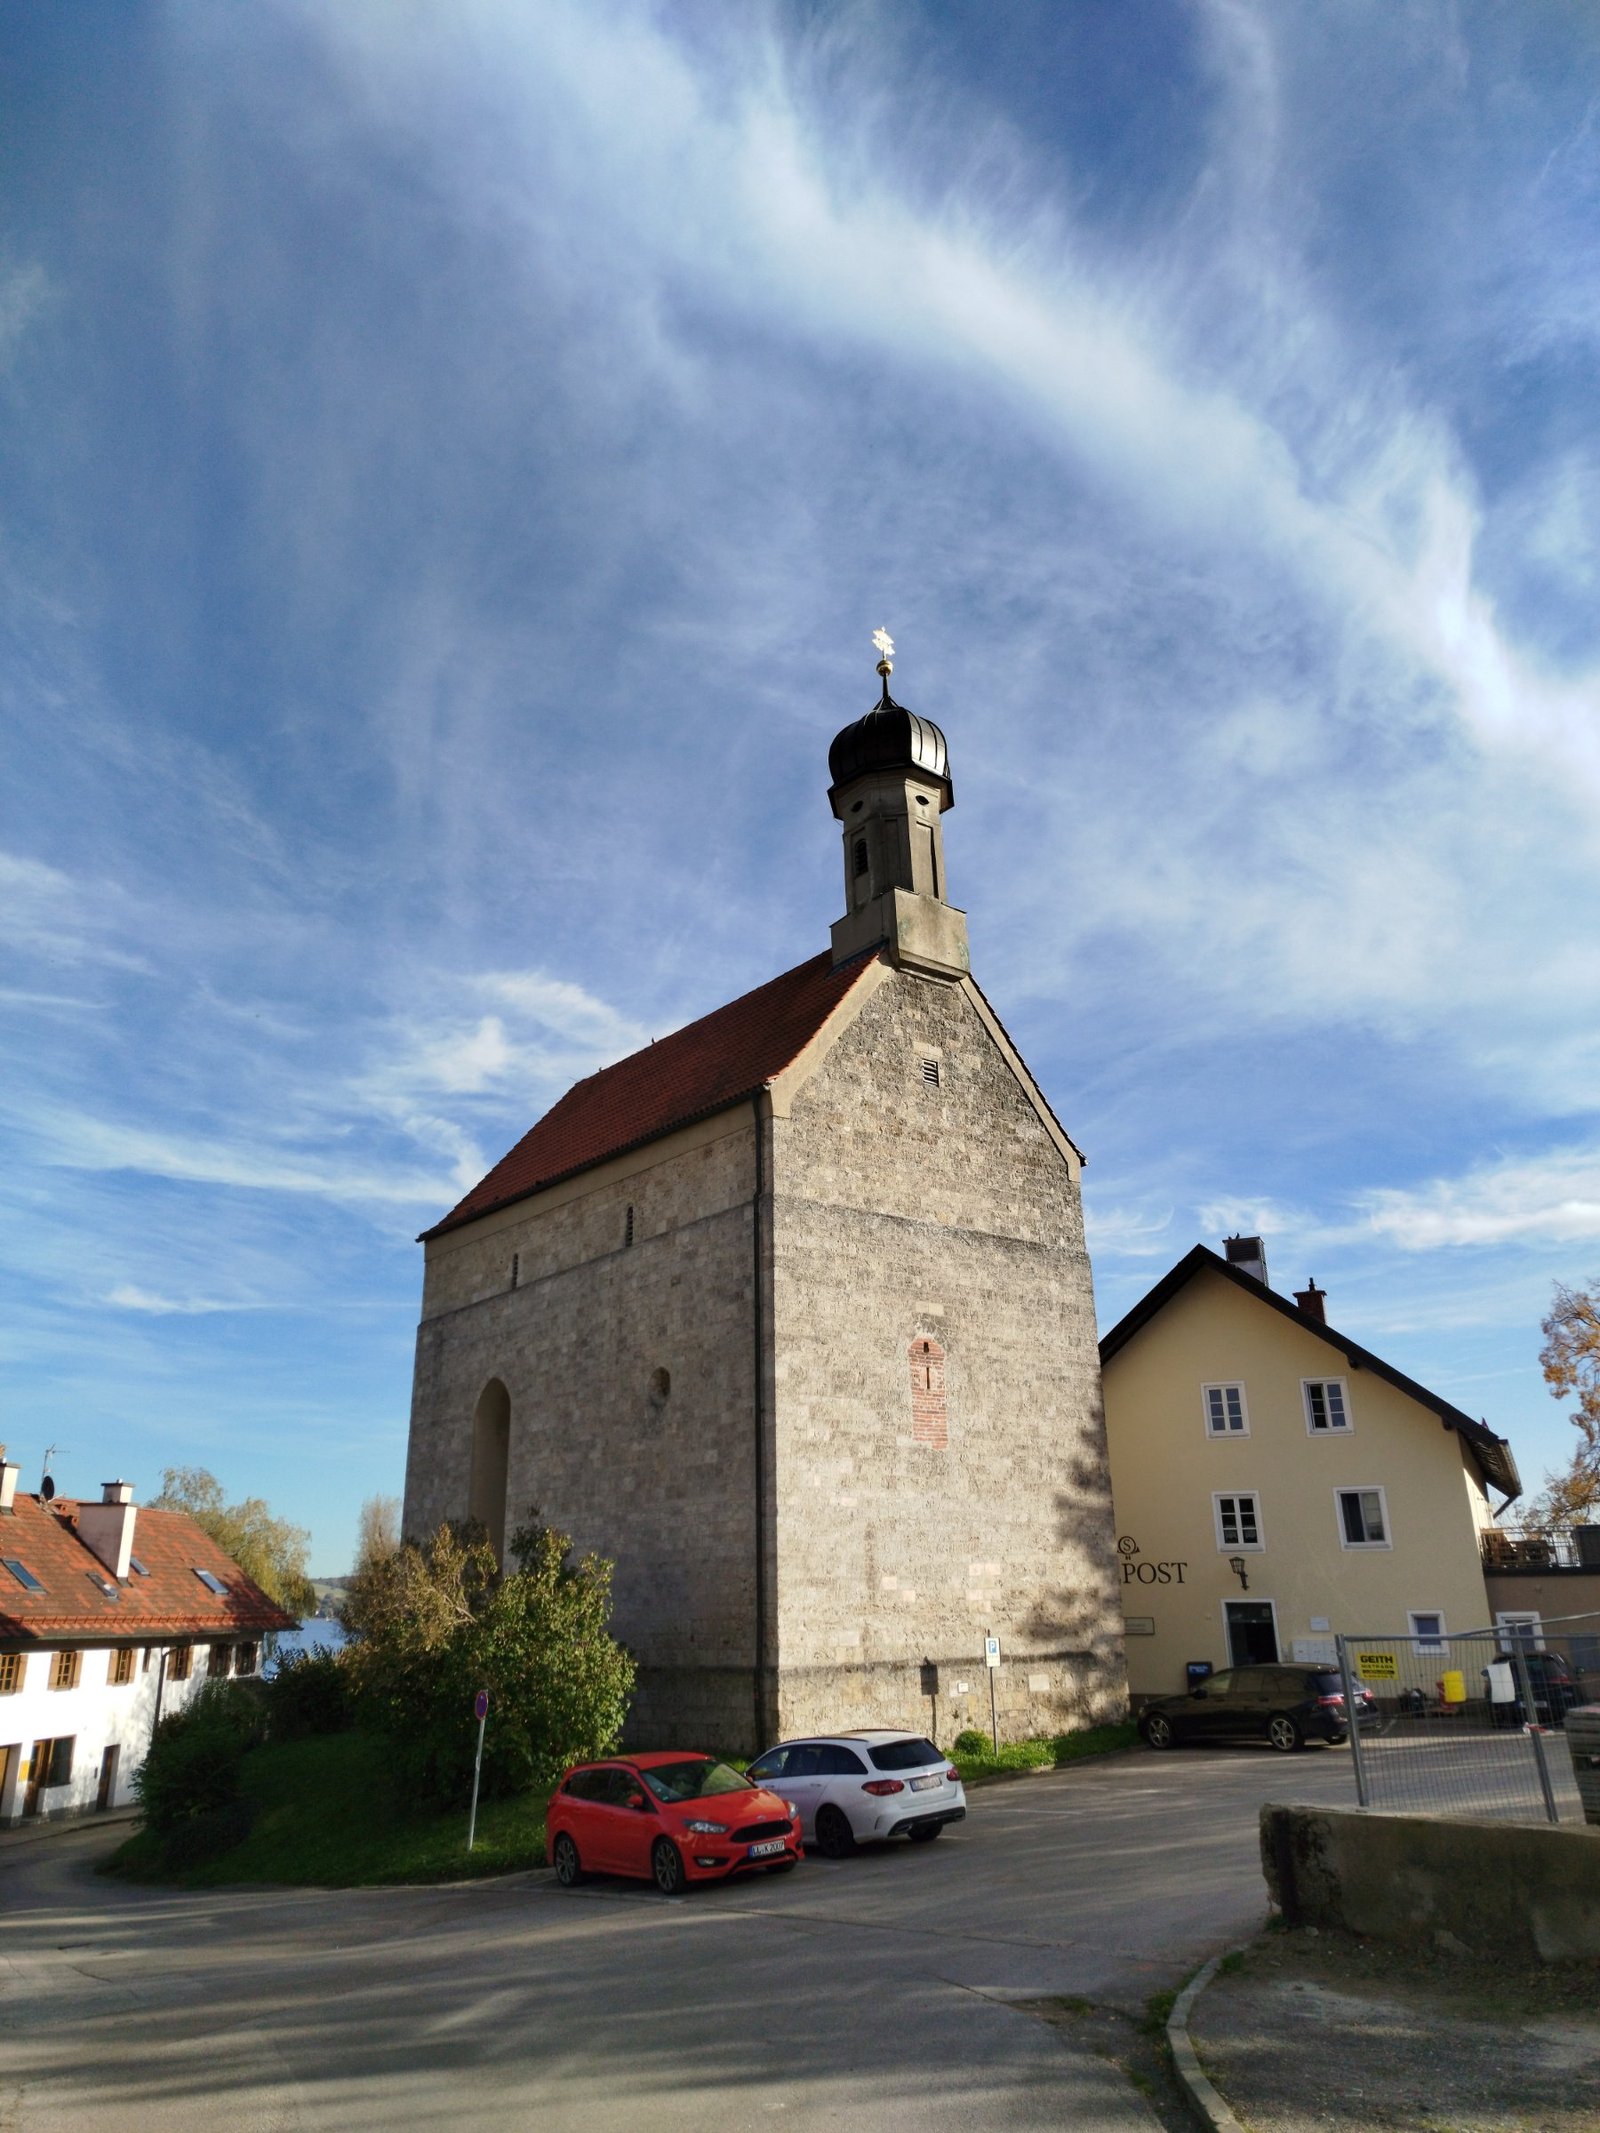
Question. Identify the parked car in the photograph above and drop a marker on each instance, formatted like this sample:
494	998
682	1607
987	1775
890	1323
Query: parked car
1285	1705
1555	1683
669	1817
854	1787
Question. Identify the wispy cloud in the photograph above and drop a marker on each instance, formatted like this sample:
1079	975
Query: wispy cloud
1551	1198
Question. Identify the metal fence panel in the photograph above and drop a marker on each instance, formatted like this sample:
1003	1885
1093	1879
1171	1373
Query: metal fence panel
1473	1724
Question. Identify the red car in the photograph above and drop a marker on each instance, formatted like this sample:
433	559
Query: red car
668	1817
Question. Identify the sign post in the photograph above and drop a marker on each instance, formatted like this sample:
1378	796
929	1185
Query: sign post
480	1710
991	1659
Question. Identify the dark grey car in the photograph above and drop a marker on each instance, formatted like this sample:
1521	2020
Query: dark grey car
1283	1705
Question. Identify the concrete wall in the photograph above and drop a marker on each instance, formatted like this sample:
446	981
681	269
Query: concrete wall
662	1485
1550	1594
1166	1469
904	1212
1512	1891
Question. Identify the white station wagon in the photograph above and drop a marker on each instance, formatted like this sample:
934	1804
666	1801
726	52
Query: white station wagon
854	1788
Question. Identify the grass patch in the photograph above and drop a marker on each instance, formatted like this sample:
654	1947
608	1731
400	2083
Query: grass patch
1158	2013
328	1814
1050	1754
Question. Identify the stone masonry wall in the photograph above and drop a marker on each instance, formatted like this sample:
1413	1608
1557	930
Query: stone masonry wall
907	1526
663	1484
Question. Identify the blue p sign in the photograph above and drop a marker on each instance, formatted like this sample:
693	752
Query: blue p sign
480	1704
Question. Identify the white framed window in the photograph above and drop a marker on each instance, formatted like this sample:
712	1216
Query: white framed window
1526	1627
1363	1518
1327	1406
1427	1630
1238	1515
1225	1411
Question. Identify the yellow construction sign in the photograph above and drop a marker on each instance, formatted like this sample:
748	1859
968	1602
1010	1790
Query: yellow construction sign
1377	1666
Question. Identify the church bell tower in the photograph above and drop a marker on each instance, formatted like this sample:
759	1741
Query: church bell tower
891	786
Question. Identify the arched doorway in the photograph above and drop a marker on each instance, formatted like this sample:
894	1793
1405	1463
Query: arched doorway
491	1452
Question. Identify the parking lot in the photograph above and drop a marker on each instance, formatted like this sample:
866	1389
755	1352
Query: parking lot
882	1991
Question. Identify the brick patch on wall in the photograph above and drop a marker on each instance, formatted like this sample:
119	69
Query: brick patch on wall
929	1424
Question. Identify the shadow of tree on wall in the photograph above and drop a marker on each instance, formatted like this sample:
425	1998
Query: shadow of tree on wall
1081	1623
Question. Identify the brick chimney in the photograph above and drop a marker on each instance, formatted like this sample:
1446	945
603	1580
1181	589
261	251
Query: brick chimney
1310	1301
106	1527
9	1470
1249	1256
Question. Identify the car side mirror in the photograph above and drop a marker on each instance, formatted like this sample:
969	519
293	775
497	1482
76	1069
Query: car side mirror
637	1799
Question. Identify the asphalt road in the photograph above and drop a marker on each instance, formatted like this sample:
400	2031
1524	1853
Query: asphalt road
873	1993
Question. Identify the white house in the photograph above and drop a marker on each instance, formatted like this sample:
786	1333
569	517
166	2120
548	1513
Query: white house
110	1617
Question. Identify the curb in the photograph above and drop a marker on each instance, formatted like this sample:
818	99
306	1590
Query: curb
1204	2100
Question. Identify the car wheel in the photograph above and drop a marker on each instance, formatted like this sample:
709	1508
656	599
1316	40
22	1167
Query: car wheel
1157	1731
926	1836
666	1863
835	1838
568	1866
1283	1733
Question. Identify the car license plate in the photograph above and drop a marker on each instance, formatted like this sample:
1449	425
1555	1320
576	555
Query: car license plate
926	1784
766	1851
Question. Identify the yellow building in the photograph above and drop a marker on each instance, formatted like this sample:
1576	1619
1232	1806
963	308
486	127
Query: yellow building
1274	1482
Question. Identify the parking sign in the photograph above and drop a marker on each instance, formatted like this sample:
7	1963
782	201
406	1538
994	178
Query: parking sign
991	1651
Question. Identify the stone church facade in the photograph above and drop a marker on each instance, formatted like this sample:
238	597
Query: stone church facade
790	1316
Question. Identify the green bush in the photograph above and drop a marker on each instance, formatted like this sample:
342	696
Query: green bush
434	1625
309	1693
193	1763
969	1741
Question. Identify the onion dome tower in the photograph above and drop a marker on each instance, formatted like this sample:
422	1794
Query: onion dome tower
891	785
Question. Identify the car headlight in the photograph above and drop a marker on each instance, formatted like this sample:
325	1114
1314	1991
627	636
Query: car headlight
791	1810
708	1829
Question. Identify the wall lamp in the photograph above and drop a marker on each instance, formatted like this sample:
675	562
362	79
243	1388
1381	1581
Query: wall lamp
1236	1565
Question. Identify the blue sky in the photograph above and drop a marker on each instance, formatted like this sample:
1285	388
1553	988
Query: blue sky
454	457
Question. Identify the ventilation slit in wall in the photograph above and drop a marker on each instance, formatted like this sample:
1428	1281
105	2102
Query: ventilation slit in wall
627	1228
516	1268
930	1072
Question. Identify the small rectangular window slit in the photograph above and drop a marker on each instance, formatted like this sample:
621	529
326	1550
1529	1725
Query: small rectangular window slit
930	1072
627	1228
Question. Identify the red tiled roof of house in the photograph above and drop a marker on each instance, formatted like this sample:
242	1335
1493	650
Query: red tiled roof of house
171	1602
721	1060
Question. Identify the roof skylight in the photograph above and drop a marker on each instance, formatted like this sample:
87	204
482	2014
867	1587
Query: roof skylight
139	1569
104	1584
211	1582
23	1575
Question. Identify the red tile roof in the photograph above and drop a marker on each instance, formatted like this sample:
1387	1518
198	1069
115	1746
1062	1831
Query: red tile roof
721	1060
170	1602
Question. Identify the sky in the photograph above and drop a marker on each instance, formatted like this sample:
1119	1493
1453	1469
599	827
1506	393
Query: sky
452	460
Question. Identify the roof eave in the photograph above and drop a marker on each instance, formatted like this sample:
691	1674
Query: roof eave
455	1221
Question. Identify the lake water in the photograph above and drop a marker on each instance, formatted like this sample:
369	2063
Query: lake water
305	1639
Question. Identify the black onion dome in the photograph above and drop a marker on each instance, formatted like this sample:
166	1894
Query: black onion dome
890	737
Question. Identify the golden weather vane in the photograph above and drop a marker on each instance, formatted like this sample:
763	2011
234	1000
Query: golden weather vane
885	645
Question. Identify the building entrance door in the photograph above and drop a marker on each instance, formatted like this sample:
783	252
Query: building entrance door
1252	1633
108	1779
38	1771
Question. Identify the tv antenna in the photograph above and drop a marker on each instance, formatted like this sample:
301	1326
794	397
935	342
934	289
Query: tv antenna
47	1487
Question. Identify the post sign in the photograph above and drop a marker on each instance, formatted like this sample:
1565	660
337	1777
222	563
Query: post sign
1377	1666
991	1651
480	1711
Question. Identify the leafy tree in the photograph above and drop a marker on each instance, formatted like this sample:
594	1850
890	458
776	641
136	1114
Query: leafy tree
434	1624
267	1549
1571	1360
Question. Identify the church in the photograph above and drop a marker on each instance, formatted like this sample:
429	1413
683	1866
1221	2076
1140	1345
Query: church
789	1315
